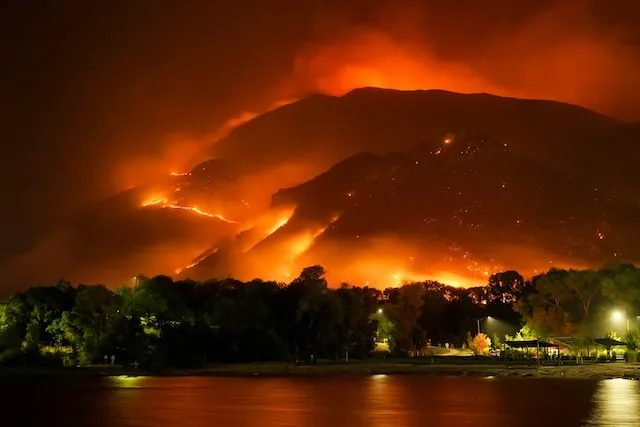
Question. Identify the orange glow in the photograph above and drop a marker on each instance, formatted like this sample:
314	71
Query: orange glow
281	223
364	56
154	200
246	116
287	254
266	225
301	242
373	59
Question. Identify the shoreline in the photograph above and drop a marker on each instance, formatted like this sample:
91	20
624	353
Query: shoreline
586	371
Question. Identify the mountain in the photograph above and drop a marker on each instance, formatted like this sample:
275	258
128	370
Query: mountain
320	148
462	211
322	130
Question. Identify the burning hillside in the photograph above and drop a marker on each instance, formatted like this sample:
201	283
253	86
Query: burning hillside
426	198
458	212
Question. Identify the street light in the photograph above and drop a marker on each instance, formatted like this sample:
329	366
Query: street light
480	320
617	316
379	311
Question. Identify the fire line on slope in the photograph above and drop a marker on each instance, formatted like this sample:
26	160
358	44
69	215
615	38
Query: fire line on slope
163	203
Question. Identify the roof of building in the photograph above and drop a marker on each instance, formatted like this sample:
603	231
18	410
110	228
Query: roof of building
530	344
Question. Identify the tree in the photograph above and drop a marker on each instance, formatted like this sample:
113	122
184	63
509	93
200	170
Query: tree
160	322
549	305
89	325
358	329
480	344
585	287
633	339
317	316
434	305
495	342
504	288
526	333
621	285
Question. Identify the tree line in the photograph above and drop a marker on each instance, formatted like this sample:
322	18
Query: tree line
160	322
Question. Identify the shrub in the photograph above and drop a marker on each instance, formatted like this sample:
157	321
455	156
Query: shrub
480	344
631	356
633	339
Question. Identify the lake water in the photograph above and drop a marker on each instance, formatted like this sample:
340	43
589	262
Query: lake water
376	401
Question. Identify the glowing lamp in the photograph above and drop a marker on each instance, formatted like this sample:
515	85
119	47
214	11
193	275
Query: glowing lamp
617	316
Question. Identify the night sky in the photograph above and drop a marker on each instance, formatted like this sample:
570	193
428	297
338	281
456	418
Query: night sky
98	96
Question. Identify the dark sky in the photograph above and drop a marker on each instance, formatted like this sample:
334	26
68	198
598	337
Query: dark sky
94	92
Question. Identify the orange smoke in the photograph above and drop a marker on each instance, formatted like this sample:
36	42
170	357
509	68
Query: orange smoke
373	59
542	59
178	153
174	154
246	116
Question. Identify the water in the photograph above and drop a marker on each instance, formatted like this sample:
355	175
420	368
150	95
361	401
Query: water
389	401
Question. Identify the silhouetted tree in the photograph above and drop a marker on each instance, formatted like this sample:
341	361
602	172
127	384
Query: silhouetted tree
158	322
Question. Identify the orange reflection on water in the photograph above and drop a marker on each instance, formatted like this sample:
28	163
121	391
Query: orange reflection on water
205	401
367	401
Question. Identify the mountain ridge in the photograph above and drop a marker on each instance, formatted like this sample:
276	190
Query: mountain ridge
381	121
366	128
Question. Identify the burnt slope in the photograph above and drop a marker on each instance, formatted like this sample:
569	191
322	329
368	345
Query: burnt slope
467	206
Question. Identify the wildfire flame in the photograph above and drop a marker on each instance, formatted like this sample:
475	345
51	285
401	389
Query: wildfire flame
162	202
187	267
281	223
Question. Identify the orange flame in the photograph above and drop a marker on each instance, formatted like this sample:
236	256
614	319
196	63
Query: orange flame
187	267
162	202
281	223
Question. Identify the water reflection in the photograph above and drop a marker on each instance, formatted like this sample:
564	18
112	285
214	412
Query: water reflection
126	381
616	403
376	401
202	401
383	404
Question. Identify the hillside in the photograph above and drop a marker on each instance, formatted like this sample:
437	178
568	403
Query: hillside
324	130
460	212
309	154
